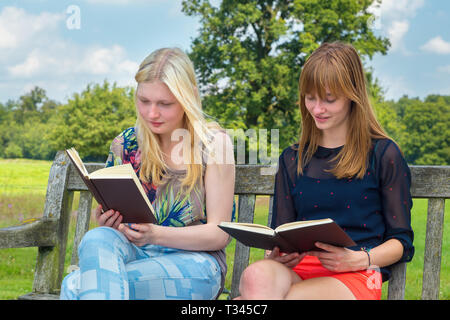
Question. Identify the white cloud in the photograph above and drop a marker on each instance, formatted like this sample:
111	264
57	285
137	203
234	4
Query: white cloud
444	69
396	32
19	28
33	51
68	59
396	87
437	45
392	18
27	68
394	10
101	61
122	2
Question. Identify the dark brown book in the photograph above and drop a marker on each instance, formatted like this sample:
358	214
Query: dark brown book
117	188
298	236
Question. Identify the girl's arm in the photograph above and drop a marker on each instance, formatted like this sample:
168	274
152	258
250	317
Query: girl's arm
219	192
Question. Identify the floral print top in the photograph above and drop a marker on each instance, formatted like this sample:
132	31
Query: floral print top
172	206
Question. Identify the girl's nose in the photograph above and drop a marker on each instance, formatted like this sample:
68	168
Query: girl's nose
153	111
318	107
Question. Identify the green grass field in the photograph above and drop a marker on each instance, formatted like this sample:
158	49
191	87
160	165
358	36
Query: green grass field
22	193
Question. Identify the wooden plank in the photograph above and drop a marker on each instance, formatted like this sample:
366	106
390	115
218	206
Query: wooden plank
75	183
50	260
39	296
427	181
396	288
34	233
433	249
251	179
242	253
430	181
269	217
83	219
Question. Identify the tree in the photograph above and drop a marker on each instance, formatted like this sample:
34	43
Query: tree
249	54
426	124
90	120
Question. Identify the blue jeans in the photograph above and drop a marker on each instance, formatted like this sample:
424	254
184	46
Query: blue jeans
111	267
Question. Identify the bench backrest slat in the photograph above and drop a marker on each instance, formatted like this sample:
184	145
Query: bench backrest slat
430	181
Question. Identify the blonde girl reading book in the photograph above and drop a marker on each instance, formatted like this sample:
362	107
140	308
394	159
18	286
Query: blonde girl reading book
172	149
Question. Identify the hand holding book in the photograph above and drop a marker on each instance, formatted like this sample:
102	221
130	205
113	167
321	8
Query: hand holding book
340	259
290	260
109	218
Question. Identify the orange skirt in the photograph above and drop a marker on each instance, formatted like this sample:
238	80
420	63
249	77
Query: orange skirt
364	284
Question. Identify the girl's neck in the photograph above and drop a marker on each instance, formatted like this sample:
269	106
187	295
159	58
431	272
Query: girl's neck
332	139
167	145
165	142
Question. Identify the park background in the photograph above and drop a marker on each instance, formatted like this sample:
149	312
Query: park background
67	71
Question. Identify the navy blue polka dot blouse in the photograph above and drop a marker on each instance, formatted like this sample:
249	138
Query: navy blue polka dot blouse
371	210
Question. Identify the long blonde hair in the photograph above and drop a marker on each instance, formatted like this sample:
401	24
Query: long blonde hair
337	67
173	67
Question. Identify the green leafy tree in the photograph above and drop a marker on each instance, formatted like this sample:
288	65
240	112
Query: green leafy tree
23	126
249	54
427	130
90	120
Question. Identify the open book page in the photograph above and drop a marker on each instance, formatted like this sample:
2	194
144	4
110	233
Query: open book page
124	170
257	228
73	154
302	224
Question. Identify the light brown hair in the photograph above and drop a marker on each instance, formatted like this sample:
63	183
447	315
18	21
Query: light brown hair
338	68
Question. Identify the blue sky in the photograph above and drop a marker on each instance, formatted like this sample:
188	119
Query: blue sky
62	45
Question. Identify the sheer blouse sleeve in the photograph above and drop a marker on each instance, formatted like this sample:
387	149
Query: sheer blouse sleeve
395	183
115	152
283	209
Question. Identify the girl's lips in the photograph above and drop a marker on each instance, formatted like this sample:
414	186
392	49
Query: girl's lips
321	119
156	124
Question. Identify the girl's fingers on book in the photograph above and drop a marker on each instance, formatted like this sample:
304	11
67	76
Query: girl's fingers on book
274	253
108	218
288	259
326	247
118	222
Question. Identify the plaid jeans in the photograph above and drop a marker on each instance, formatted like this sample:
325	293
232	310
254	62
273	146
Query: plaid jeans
113	268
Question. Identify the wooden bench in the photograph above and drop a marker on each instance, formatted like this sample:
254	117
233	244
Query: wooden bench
50	232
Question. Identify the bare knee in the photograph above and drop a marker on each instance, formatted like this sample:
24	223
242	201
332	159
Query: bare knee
264	279
251	277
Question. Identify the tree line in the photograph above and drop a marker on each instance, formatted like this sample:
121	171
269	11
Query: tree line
36	127
248	57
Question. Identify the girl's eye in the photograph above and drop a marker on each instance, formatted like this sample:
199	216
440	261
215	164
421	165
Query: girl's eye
166	104
331	100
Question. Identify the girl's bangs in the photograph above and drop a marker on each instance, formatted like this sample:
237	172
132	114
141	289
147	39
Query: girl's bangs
318	77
